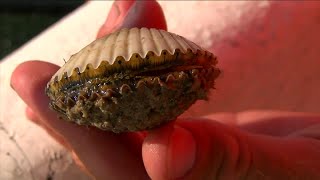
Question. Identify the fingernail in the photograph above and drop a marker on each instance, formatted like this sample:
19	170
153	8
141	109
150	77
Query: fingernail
181	153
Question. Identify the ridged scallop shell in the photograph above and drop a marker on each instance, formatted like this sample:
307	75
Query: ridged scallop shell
128	45
131	80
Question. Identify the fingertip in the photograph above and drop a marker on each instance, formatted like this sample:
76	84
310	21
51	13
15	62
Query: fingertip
29	80
31	70
16	76
154	152
145	14
169	152
116	15
129	14
181	154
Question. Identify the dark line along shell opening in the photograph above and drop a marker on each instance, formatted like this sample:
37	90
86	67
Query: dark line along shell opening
131	80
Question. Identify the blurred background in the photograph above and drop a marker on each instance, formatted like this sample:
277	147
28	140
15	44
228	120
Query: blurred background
21	20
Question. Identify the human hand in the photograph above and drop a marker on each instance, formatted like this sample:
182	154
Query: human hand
250	145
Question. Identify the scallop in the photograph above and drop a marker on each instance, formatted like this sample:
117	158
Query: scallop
132	80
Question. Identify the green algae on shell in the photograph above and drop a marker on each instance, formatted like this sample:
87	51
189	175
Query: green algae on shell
131	80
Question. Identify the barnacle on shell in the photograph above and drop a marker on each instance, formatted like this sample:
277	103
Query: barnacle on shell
133	79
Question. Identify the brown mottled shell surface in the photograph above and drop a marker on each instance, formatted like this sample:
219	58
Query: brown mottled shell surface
115	59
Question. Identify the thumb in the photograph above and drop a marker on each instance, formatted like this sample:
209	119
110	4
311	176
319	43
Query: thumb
128	14
205	149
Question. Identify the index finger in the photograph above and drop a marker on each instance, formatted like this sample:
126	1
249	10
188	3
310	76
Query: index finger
29	81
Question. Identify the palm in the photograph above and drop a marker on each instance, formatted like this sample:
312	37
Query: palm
270	63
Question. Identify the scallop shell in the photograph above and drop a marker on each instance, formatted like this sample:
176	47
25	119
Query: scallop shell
131	80
130	46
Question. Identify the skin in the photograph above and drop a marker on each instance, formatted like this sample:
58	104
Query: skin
246	145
